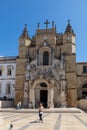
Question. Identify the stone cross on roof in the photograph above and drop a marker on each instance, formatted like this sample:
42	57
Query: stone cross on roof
46	23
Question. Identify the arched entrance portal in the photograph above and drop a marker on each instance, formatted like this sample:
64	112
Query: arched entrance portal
43	97
43	94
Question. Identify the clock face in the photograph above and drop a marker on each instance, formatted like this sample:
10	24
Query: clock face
68	37
27	42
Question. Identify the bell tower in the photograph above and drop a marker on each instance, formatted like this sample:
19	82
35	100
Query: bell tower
70	65
24	43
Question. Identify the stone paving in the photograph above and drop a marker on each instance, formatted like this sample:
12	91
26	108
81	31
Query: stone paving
53	120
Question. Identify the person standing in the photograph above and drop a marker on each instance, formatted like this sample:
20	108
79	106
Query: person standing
20	105
41	113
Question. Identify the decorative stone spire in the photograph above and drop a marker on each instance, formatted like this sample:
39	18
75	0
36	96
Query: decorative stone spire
52	24
25	32
55	26
38	26
69	28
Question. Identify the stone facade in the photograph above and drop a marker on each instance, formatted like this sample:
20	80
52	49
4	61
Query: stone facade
46	68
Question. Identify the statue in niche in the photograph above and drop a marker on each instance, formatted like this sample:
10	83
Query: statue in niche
30	83
63	84
56	64
26	74
33	64
62	61
51	82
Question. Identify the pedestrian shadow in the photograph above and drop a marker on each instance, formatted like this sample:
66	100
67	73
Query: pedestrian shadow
31	123
36	121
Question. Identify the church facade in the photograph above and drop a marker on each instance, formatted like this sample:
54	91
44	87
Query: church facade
46	69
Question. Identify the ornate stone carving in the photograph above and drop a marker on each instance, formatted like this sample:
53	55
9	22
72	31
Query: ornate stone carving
26	90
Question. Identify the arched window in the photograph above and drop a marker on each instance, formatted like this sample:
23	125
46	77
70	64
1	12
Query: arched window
84	91
45	58
43	85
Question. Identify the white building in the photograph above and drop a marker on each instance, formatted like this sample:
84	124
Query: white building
7	77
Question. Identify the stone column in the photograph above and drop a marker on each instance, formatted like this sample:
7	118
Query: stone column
50	98
32	98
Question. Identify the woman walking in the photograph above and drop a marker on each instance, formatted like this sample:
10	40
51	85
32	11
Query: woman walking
41	113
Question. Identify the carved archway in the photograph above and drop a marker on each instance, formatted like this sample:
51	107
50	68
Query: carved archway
40	89
41	93
45	55
82	90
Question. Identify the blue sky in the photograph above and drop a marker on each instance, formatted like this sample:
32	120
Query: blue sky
15	13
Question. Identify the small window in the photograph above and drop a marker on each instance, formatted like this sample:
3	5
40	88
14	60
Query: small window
8	89
0	72
84	69
8	71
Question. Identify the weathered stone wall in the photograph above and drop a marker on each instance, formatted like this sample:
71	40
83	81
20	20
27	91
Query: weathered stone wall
71	80
20	78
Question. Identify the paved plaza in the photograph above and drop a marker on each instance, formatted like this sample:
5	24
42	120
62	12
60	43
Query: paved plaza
55	119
